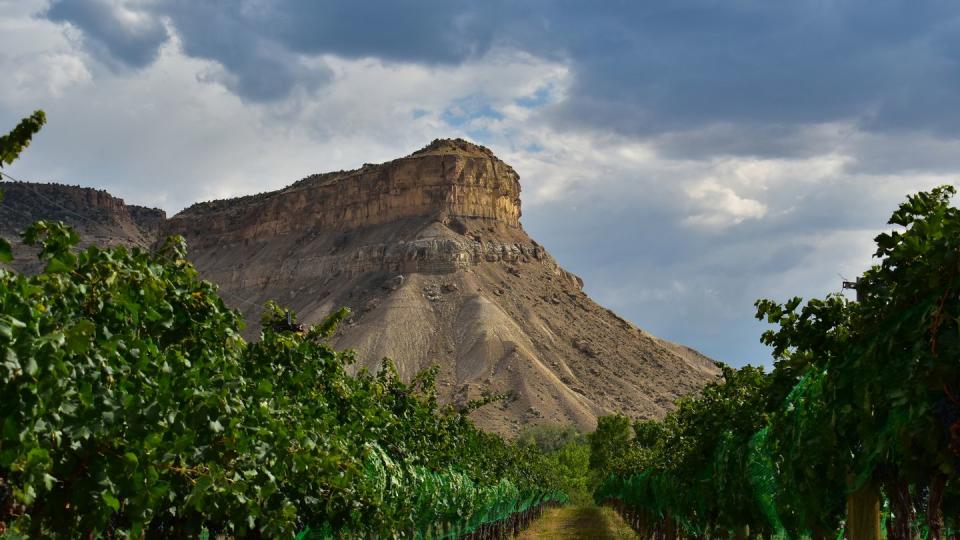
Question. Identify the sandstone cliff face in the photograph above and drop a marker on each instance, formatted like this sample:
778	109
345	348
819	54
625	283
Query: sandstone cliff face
429	254
447	177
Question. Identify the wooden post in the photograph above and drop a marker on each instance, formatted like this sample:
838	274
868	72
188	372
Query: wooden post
671	528
863	512
935	506
898	527
863	505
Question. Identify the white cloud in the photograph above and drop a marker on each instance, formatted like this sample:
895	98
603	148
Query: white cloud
173	134
19	11
720	206
47	75
38	61
680	243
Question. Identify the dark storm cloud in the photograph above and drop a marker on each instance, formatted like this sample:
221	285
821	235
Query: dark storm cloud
130	38
686	64
262	45
640	68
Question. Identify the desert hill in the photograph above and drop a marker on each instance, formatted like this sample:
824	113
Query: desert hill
429	253
98	217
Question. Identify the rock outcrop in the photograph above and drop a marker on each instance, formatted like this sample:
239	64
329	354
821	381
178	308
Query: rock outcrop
429	254
447	177
99	218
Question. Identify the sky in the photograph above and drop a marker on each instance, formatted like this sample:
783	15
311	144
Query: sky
685	158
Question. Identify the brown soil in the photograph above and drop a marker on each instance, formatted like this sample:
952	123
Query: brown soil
579	522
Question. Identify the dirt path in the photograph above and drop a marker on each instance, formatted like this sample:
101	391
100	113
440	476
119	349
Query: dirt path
586	522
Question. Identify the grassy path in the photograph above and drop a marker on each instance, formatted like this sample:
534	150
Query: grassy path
588	522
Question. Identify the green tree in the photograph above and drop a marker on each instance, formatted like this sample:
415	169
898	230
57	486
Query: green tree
550	438
608	441
568	452
570	465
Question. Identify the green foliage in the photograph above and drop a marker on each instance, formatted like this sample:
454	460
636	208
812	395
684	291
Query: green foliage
608	441
568	453
692	464
570	468
874	402
805	432
863	395
13	143
550	438
133	407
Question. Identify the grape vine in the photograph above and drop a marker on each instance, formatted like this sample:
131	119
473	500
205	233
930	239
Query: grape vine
858	419
132	407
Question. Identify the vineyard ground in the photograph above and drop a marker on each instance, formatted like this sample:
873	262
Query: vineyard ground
579	522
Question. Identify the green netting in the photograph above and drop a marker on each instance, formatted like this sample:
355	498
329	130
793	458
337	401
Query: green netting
832	432
441	505
763	479
656	492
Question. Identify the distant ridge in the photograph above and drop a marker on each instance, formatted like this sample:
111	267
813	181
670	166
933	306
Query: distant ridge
99	218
